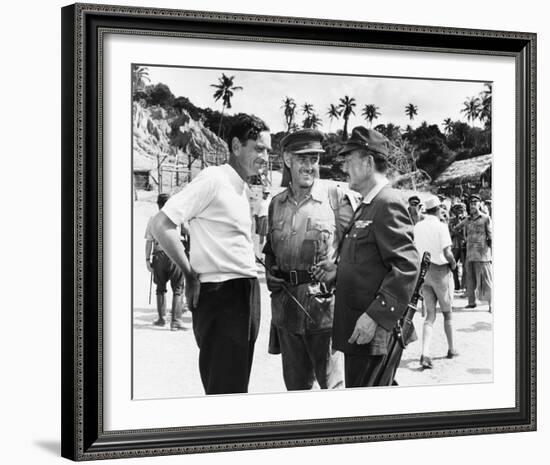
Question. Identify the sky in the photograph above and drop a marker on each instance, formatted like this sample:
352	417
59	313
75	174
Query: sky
264	92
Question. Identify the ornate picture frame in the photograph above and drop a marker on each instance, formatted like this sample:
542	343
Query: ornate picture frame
84	27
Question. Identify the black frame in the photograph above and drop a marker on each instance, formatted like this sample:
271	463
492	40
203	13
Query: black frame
83	26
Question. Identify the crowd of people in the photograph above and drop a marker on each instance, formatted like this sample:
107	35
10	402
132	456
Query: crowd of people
340	263
458	235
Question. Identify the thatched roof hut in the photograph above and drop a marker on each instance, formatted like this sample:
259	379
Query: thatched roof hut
413	180
476	170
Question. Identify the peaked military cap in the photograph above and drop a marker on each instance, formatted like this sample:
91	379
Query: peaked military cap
363	138
303	141
162	198
415	200
474	198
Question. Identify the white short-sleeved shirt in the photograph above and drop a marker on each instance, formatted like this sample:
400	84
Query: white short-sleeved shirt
217	208
262	207
431	235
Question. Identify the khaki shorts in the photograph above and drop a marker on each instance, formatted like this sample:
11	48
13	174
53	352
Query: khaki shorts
438	287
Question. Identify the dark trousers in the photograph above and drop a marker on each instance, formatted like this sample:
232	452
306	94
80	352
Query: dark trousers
479	282
459	254
165	270
307	357
226	323
361	370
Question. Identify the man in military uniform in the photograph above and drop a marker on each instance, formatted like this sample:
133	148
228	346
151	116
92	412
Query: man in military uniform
414	209
164	270
305	222
479	235
458	214
378	261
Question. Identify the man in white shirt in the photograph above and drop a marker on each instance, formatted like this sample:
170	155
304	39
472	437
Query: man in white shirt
432	235
260	216
221	275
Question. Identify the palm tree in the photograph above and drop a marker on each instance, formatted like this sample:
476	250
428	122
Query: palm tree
312	121
315	121
289	106
448	125
224	90
390	130
486	104
333	112
307	111
370	112
472	108
411	111
140	74
346	107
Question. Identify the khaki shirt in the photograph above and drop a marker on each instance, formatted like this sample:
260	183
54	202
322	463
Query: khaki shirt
479	233
300	235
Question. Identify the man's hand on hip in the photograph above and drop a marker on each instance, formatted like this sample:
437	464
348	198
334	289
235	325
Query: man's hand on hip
192	290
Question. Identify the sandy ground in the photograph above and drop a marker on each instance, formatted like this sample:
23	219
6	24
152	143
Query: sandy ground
165	362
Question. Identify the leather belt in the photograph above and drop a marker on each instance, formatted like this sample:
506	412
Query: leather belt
294	277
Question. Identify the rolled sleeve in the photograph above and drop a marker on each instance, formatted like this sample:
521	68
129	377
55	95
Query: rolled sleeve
191	200
267	249
148	234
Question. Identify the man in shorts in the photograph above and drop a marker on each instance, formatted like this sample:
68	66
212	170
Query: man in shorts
432	235
164	270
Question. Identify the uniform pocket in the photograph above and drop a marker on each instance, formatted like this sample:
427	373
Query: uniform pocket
277	232
318	240
361	240
380	341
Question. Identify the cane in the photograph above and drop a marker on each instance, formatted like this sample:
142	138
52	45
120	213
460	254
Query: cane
150	288
287	290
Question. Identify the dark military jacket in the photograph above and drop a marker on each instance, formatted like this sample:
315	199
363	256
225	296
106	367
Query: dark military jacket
377	270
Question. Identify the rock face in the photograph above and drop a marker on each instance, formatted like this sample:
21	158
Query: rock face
174	141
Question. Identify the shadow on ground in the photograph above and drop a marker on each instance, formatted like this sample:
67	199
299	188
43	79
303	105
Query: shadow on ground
468	310
479	326
144	317
480	371
411	364
53	447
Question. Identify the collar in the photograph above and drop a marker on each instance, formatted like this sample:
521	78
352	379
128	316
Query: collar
380	184
430	218
234	177
316	192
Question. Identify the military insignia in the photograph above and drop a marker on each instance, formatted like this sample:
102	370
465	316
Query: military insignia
362	224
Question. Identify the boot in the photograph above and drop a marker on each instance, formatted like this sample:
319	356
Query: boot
177	321
161	309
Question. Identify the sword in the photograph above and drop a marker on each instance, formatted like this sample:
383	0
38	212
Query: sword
401	334
286	289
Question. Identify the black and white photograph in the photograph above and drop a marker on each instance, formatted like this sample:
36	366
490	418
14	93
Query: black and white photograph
297	231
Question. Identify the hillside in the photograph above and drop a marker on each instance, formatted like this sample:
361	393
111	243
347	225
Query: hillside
173	141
